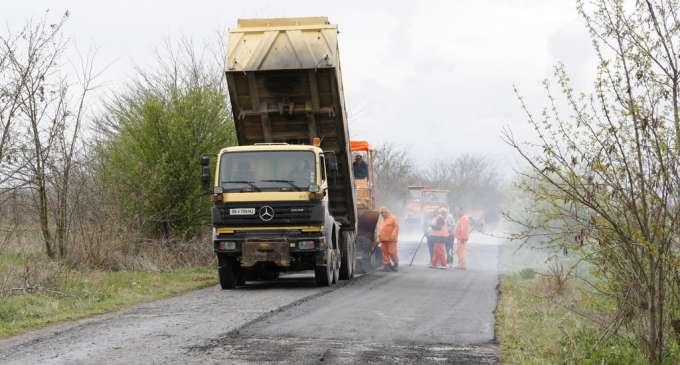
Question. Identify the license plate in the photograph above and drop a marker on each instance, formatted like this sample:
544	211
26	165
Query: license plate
242	211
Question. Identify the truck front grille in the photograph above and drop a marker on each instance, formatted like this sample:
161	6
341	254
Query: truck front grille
284	214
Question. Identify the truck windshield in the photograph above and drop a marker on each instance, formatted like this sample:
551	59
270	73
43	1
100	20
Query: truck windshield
267	171
415	194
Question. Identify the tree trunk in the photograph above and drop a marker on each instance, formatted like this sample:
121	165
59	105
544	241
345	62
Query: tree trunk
42	212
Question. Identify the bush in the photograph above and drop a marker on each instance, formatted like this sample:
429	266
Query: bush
155	132
586	348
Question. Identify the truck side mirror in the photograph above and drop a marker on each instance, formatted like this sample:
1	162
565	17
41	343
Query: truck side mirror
205	176
205	171
205	160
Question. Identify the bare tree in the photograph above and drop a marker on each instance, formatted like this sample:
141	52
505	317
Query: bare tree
472	181
606	178
63	159
49	113
11	85
394	172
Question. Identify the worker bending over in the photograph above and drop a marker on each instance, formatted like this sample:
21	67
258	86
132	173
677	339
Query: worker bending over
440	235
388	235
462	237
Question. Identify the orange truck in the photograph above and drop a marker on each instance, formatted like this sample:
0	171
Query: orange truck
368	254
422	202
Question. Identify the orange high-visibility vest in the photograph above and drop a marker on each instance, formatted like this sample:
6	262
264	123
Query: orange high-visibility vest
389	229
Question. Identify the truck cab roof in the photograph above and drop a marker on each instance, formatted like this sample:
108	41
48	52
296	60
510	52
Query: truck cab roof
271	147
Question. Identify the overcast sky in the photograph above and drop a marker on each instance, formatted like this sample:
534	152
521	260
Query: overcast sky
435	76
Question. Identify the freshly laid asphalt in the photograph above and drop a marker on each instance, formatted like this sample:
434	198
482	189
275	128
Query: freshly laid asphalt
417	315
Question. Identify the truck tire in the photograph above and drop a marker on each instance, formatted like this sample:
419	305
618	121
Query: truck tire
227	271
323	275
348	256
336	267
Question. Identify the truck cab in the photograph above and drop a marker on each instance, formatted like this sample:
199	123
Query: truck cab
271	212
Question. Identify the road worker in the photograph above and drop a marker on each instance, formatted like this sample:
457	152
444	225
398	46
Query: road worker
359	168
302	174
388	235
440	234
462	236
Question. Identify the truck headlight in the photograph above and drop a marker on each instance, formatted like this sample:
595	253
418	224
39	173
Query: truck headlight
306	245
227	245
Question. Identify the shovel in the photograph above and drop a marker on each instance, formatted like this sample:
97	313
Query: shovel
416	251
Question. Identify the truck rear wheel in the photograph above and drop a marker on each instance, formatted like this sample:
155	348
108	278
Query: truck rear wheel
347	256
336	267
228	272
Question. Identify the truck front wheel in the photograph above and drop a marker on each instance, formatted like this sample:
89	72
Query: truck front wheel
228	272
323	275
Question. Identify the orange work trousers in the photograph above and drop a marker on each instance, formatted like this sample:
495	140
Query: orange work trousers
389	252
461	251
439	256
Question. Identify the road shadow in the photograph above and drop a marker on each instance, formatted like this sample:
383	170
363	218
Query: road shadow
304	280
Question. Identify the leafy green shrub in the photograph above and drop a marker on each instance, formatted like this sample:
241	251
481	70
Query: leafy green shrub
153	134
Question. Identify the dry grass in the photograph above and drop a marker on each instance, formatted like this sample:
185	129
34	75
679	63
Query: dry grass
24	267
105	269
106	248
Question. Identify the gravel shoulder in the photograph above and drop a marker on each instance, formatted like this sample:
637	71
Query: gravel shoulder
155	332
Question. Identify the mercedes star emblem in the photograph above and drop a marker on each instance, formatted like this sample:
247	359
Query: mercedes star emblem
266	213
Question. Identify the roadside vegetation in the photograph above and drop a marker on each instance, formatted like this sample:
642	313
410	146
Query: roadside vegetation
100	200
542	320
61	293
602	190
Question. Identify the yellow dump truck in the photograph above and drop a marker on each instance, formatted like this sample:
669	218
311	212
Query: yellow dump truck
284	198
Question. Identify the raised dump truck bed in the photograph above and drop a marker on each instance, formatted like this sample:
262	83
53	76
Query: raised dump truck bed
285	85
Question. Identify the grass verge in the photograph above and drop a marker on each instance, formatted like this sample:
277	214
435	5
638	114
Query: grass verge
81	294
538	325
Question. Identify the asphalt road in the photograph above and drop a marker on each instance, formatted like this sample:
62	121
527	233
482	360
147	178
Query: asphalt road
418	315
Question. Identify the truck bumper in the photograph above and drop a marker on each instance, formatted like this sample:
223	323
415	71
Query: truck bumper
288	253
